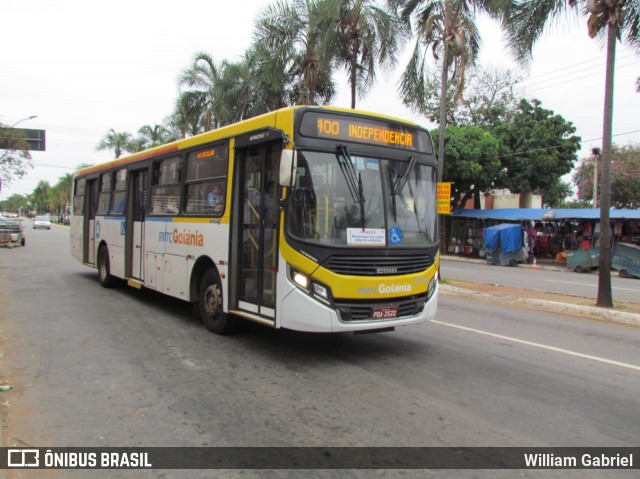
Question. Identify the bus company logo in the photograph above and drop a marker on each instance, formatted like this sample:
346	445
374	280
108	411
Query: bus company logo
23	457
386	289
184	237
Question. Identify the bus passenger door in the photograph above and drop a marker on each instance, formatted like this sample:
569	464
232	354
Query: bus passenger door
91	206
136	210
256	254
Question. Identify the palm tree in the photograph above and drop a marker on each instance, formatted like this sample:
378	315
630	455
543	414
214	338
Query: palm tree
155	135
610	19
188	115
64	185
242	93
118	142
40	196
448	28
361	37
203	78
288	47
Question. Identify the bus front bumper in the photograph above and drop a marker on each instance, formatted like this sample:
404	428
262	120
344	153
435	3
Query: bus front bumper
299	312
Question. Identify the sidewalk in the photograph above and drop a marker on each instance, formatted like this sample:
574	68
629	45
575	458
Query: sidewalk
553	303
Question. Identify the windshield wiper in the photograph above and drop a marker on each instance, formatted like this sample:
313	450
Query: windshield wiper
398	183
354	180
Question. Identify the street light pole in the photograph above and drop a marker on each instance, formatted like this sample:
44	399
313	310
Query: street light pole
24	119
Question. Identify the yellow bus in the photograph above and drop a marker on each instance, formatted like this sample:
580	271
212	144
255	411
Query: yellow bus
314	219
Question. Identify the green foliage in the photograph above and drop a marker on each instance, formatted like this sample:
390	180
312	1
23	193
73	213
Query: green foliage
459	38
14	204
472	162
119	142
290	56
537	147
15	159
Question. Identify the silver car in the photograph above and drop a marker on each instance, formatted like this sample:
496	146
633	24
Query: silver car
41	222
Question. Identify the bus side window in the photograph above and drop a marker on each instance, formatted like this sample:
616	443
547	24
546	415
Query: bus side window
165	188
206	179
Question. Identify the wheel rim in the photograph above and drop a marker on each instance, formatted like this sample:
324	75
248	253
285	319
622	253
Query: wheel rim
212	301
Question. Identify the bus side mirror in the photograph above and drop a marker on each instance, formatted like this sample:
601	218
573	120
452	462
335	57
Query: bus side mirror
288	168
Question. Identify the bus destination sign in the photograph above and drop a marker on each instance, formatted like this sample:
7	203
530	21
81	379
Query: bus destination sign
379	132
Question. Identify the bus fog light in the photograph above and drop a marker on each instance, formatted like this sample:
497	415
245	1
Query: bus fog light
301	280
321	291
432	286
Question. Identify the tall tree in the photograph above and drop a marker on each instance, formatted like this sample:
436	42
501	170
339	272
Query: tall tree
489	98
14	155
119	142
40	197
288	45
448	28
362	36
473	163
536	146
612	20
154	135
243	92
203	78
188	114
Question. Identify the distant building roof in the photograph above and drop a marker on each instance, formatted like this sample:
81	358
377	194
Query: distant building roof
543	214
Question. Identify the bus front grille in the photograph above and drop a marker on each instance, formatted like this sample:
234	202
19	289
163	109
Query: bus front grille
378	265
362	310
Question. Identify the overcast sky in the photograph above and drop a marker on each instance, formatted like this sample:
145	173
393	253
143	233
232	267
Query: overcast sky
86	67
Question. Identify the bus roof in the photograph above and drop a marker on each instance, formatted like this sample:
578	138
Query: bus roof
257	122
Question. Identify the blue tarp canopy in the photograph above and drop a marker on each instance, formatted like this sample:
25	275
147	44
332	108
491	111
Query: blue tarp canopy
543	214
507	237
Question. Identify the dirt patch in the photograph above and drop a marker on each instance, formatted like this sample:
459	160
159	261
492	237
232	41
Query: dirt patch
512	292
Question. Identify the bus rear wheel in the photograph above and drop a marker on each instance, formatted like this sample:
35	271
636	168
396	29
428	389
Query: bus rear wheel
104	269
210	304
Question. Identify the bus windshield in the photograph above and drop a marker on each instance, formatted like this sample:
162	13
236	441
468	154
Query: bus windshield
348	200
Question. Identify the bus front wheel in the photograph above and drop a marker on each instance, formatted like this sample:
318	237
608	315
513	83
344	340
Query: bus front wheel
104	269
210	303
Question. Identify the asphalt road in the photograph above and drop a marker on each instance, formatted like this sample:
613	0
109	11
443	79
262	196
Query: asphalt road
558	280
96	367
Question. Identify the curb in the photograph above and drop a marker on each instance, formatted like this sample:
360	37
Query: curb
549	306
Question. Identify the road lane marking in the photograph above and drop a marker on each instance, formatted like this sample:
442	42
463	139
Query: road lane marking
541	346
587	284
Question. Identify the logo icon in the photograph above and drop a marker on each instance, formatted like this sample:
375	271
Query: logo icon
23	457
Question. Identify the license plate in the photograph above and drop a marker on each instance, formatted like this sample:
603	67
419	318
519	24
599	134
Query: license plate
388	312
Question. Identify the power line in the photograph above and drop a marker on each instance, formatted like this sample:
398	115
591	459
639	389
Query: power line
554	147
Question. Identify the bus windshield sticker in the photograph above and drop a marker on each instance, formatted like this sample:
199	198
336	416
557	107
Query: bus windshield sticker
366	236
395	235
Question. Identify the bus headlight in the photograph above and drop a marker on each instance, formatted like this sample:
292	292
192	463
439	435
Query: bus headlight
300	279
317	290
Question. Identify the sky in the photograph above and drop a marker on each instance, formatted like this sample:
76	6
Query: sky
85	67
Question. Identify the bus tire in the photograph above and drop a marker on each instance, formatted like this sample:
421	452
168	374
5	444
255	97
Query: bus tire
210	304
104	269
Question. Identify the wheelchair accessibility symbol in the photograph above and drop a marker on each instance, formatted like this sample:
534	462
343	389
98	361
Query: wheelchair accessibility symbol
395	235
